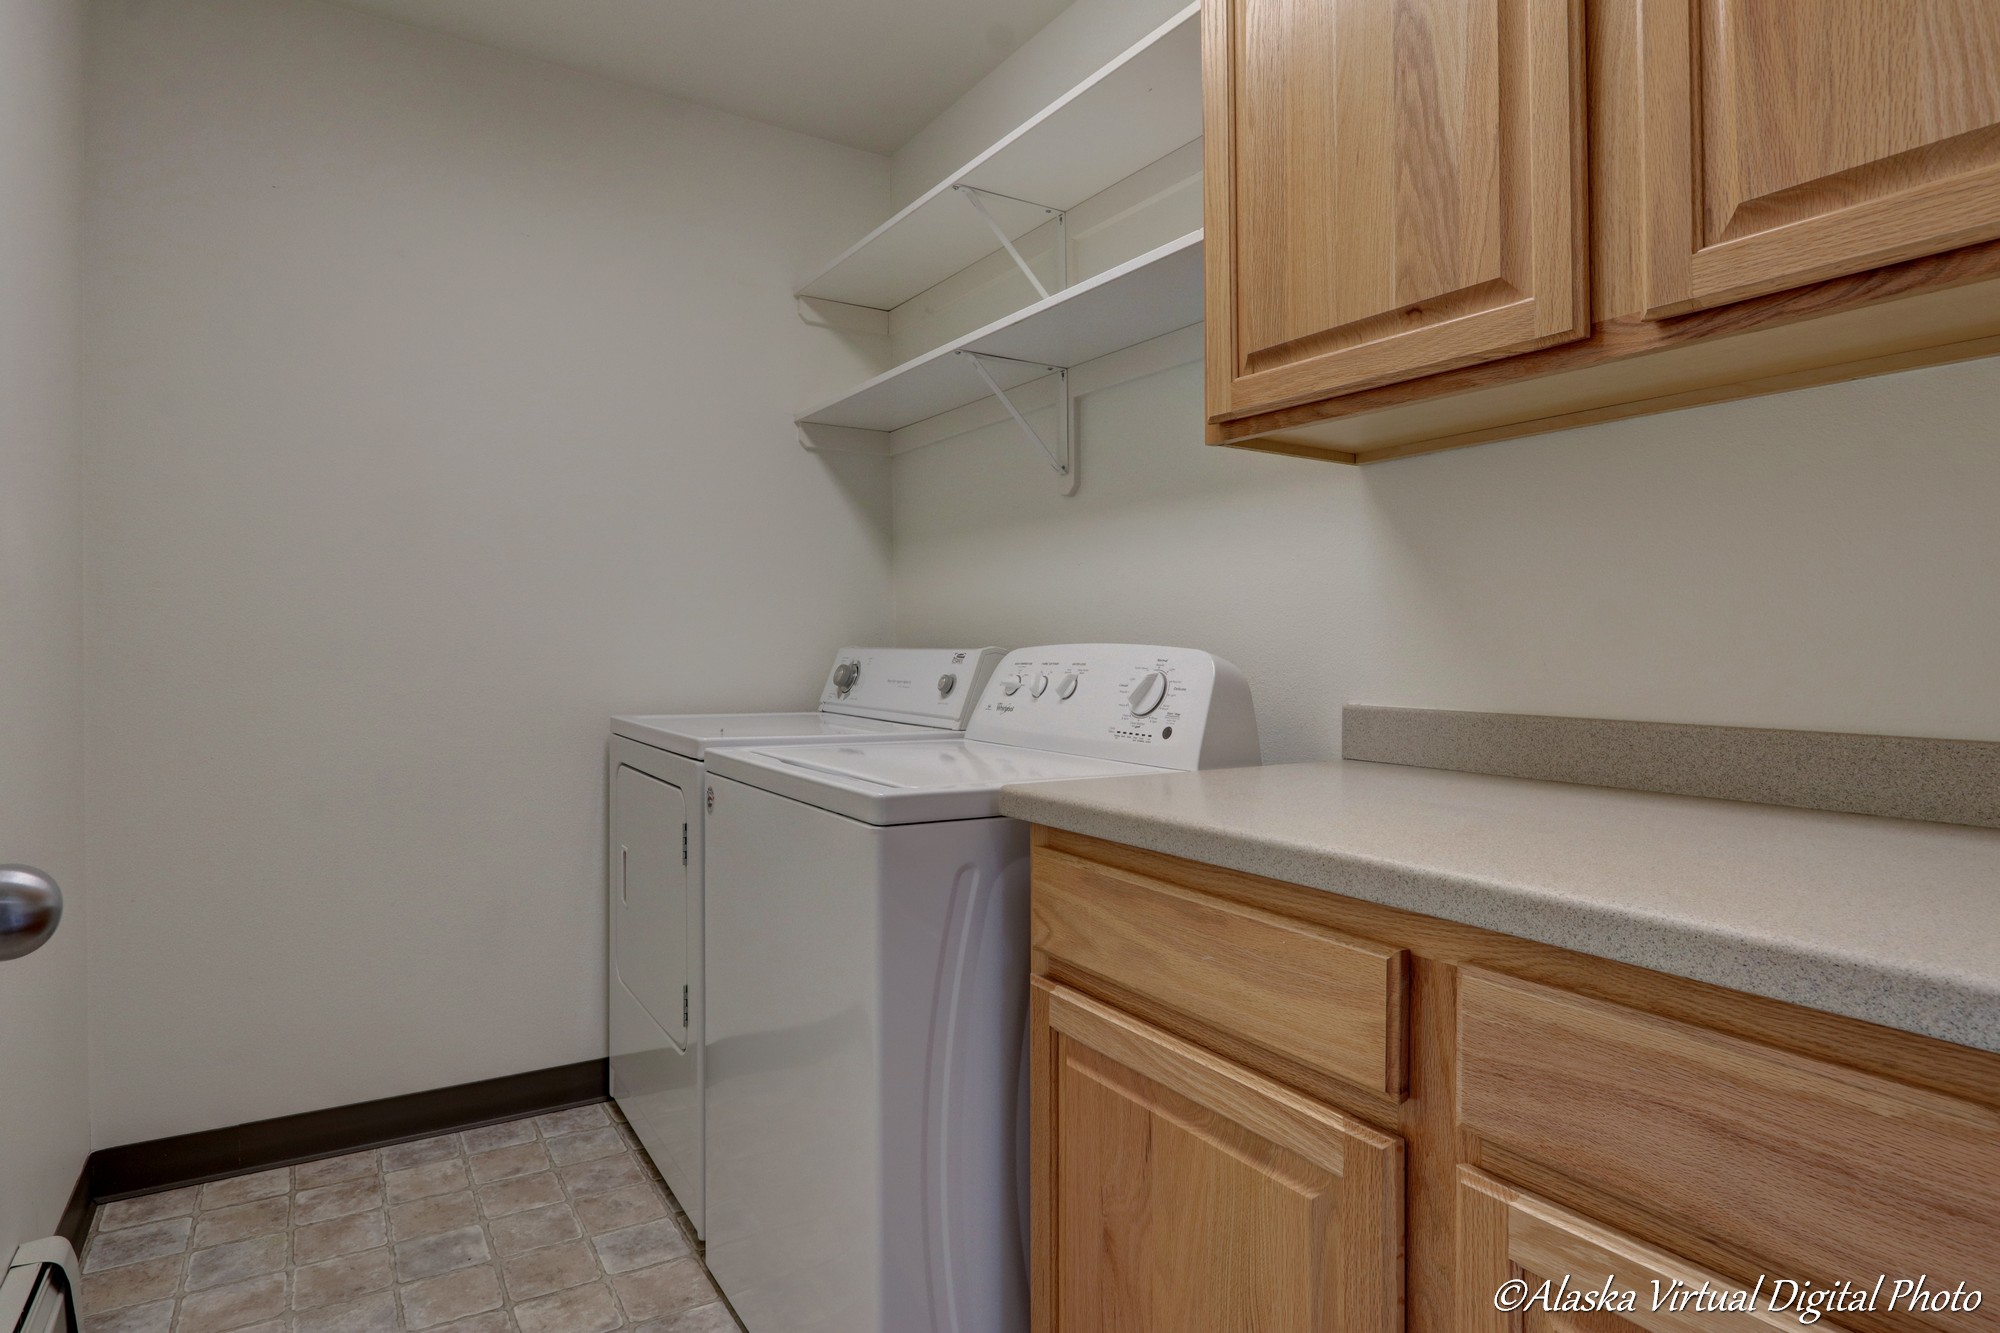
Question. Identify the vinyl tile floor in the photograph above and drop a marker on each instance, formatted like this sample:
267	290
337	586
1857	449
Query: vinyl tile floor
553	1224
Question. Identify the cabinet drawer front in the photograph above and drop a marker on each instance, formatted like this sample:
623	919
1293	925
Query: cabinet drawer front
1333	1003
1810	1169
1178	1193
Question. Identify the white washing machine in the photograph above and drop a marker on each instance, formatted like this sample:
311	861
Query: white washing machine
867	989
654	870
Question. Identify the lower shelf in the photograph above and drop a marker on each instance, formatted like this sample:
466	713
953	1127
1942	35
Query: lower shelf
1156	293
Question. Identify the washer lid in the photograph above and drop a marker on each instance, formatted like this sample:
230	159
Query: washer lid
694	734
908	781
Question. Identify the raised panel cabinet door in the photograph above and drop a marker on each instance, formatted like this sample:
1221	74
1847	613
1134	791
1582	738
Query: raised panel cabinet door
1563	1273
1393	188
1789	142
1175	1192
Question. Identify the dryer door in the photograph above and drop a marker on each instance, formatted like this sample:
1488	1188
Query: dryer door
653	937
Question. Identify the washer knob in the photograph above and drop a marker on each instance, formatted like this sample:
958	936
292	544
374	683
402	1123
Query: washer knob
1146	695
1011	685
845	675
1040	686
1067	686
946	684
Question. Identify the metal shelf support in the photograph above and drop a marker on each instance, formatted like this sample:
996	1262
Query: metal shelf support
1063	456
973	195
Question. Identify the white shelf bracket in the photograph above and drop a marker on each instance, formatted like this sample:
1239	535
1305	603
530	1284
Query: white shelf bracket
1063	456
973	195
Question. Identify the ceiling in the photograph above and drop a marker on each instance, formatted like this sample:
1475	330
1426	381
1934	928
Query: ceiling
869	73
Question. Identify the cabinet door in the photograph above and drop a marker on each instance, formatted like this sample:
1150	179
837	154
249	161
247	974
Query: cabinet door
1177	1193
1519	1251
1393	188
1788	142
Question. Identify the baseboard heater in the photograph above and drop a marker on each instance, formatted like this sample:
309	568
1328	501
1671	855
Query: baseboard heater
38	1294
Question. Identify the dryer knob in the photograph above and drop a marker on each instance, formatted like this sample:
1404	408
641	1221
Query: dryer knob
845	675
946	684
1146	695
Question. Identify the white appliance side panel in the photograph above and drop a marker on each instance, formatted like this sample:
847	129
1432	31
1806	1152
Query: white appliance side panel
867	1005
656	1066
794	1159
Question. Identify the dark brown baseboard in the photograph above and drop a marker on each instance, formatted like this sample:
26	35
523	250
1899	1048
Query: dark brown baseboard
75	1224
212	1154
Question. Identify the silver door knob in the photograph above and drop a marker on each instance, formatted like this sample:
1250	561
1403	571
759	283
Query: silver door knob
30	910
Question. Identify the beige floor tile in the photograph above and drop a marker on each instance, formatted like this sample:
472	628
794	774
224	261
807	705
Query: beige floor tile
532	1230
572	1121
587	1146
642	1246
421	1182
539	1272
131	1245
513	1196
667	1289
338	1281
427	1217
488	1137
242	1222
590	1309
374	1313
231	1263
147	1208
331	1201
602	1176
242	1189
155	1317
620	1208
233	1307
712	1318
504	1163
402	1156
342	1235
493	1321
333	1170
440	1300
431	1255
134	1284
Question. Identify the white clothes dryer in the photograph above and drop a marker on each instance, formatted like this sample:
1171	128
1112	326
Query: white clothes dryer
867	989
655	881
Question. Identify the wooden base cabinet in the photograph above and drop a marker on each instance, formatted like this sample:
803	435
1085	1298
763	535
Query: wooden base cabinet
1178	1193
1555	1126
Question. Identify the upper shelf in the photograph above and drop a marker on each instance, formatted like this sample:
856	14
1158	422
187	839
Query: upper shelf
1132	112
1156	293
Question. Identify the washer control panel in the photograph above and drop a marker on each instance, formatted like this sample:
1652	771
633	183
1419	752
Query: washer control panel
932	686
1178	708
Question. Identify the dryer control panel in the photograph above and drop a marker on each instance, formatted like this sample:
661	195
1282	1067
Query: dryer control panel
1175	708
936	687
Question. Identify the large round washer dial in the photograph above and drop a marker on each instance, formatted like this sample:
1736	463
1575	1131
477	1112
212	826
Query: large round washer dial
1148	693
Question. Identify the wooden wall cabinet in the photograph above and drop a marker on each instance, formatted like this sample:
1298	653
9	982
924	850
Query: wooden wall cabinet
1437	222
1562	1118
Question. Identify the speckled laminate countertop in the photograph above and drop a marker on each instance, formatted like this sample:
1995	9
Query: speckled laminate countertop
1889	920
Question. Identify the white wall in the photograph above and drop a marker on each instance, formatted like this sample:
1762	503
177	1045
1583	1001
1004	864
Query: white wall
1824	559
44	1134
441	407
